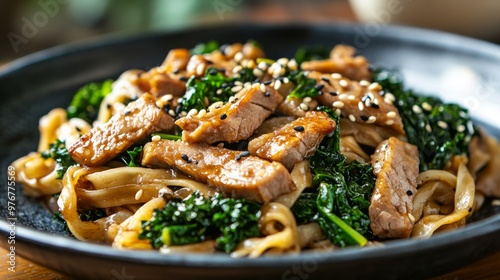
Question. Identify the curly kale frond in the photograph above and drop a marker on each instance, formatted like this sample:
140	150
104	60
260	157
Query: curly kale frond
86	102
60	154
197	218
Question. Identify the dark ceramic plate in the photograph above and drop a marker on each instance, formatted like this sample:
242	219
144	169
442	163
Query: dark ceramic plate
461	69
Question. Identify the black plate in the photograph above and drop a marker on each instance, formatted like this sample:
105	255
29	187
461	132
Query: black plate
431	61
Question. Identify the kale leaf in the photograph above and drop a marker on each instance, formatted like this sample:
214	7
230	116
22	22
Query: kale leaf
131	156
60	154
86	102
304	86
311	53
439	130
197	218
203	48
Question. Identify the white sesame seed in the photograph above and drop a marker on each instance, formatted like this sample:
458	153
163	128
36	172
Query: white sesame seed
343	83
370	95
192	112
277	85
428	128
231	99
391	114
238	56
247	84
336	76
200	69
368	102
303	107
343	96
263	87
307	99
338	104
202	113
416	109
138	194
167	97
375	101
352	118
461	128
257	72
171	112
262	66
411	217
236	88
371	119
361	106
387	101
351	97
389	122
251	64
427	106
283	61
156	138
442	124
338	112
238	83
237	68
160	103
179	100
390	96
374	87
286	80
292	64
183	113
219	91
364	83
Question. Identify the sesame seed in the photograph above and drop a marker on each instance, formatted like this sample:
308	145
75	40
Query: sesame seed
461	128
307	99
231	99
338	112
220	145
319	87
364	118
326	80
364	83
343	83
238	83
286	80
303	107
219	91
391	114
277	85
374	86
292	64
371	119
267	94
262	66
167	97
390	96
160	103
334	93
192	112
411	217
388	101
212	71
374	105
156	138
267	82
343	96
257	72
262	88
126	112
442	124
223	116
389	122
238	56
336	76
185	157
428	128
200	68
299	128
427	106
351	97
202	113
236	88
338	104
409	192
416	109
138	194
368	102
283	61
352	118
237	68
171	113
361	106
184	79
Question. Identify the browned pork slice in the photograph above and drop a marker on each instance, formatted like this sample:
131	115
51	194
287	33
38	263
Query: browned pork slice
359	102
272	124
295	141
103	143
342	61
395	163
235	173
236	120
159	83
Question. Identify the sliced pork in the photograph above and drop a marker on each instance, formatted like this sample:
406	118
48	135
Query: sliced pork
395	163
103	143
235	173
295	141
236	120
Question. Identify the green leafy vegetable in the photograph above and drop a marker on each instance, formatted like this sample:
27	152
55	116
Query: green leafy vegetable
342	193
439	130
197	218
59	153
85	103
211	88
311	53
131	156
203	48
86	216
305	87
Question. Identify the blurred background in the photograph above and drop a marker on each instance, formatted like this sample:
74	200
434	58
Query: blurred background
31	25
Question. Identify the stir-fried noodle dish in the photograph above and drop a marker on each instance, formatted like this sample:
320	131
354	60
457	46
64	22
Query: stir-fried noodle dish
222	149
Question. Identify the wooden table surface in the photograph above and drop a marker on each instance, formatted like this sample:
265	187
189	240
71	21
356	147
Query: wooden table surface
487	268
